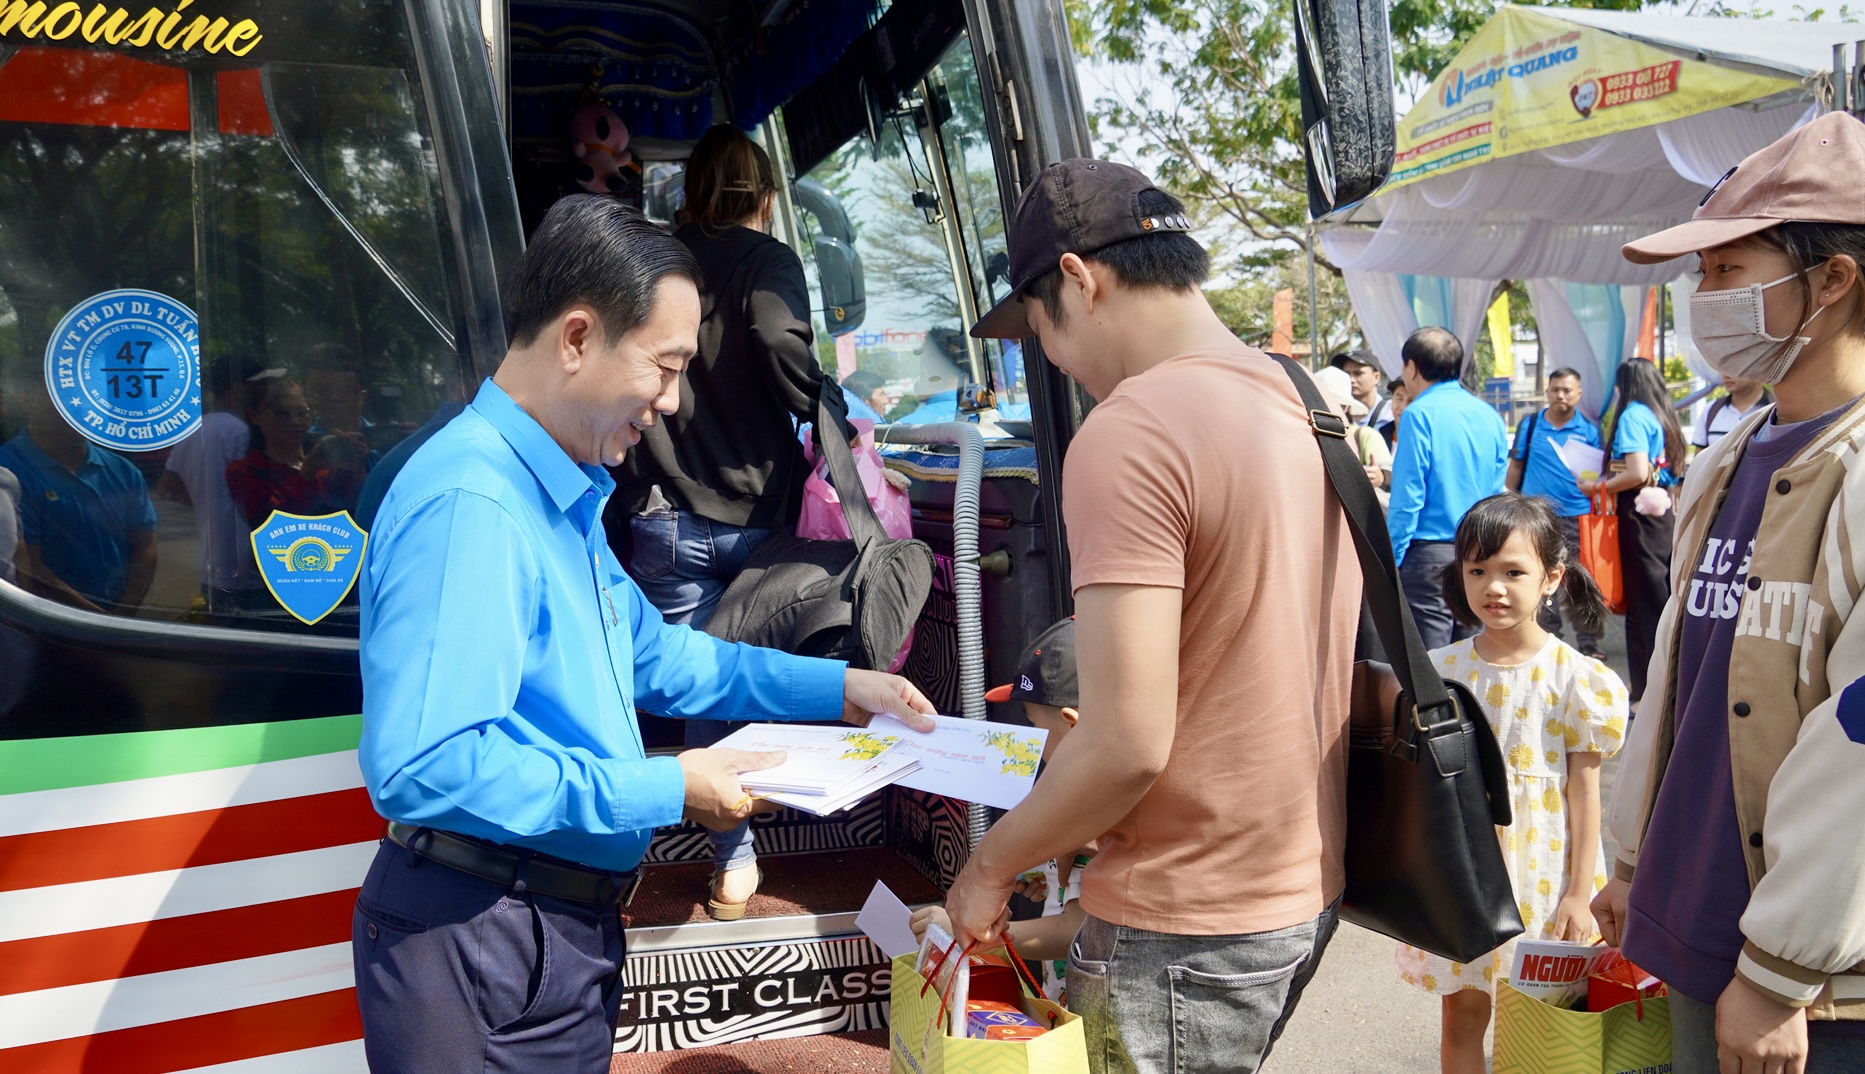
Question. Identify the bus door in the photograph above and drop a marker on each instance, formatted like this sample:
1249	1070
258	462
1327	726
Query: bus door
876	119
235	276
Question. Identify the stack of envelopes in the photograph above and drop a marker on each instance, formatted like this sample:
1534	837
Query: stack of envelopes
826	769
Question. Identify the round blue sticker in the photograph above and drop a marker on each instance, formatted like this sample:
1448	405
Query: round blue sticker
124	368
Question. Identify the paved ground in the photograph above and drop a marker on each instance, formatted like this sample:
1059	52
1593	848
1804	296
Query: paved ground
1356	1016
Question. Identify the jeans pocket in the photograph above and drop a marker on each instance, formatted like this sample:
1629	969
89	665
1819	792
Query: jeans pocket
1091	997
514	963
655	539
1224	1021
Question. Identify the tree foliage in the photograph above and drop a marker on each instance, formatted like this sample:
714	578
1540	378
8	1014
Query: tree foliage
1209	97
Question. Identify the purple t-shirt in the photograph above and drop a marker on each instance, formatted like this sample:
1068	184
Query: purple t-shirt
1691	889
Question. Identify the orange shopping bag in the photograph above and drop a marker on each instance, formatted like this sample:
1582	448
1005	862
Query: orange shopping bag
1599	550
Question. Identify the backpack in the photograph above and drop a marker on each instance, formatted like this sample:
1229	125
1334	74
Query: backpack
854	600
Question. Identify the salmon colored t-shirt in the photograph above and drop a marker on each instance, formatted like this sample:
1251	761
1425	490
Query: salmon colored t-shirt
1203	474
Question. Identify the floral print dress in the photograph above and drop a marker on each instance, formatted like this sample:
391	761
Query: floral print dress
1558	703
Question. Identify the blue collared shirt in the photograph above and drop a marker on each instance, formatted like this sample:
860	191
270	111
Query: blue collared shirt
82	523
1452	451
504	651
1543	472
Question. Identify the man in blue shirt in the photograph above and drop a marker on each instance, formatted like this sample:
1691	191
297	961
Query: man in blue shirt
1451	452
1537	470
86	523
503	653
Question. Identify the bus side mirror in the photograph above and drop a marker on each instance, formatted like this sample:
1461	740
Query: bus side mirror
844	290
838	264
1344	63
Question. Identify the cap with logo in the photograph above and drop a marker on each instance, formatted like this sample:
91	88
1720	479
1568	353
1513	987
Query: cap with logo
1815	174
1075	206
1045	671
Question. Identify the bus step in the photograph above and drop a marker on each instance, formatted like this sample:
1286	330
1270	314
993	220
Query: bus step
824	882
829	1053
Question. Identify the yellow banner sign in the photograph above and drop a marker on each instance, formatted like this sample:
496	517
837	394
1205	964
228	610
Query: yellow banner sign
102	24
1527	81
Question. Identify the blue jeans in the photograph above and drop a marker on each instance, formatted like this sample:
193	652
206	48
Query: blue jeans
1155	1003
684	563
1422	578
1832	1048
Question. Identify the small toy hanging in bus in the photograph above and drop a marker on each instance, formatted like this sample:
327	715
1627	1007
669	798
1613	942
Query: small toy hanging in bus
604	165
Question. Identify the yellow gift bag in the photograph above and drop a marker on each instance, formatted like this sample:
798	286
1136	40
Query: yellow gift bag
920	1044
1533	1037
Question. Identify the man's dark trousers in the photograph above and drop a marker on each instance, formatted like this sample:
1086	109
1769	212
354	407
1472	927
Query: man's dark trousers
1422	577
457	974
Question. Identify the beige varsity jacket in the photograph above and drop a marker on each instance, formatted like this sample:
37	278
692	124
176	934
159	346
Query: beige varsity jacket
1799	774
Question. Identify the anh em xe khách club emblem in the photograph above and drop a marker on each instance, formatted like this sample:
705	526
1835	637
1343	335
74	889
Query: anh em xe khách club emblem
310	563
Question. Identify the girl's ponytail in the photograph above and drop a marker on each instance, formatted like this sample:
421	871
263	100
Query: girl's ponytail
1585	603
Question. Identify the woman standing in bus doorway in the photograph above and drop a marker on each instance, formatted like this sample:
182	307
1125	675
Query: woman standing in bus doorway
714	480
1647	449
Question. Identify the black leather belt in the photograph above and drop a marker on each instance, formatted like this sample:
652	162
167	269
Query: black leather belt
506	867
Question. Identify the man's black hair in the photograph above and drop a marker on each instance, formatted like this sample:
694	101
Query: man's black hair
1435	352
594	251
1566	371
1167	261
863	382
1340	361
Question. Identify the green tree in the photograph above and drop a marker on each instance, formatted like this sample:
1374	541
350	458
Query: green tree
1210	99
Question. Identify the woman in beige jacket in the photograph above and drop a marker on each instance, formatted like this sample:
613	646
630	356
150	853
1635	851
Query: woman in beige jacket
1739	807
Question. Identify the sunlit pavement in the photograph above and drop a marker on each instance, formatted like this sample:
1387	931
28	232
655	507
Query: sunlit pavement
1356	1015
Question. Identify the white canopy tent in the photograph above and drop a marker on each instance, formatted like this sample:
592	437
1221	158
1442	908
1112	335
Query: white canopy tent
1432	245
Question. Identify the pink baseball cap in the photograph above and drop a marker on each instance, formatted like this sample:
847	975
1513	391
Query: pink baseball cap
1815	174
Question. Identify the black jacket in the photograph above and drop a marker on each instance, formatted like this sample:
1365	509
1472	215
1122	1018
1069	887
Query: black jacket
731	452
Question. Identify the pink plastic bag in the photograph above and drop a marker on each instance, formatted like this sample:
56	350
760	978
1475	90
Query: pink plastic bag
821	518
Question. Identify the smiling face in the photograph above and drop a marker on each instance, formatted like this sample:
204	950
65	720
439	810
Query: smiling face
1506	589
619	387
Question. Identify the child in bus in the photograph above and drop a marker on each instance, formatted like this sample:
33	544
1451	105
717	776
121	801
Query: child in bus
1556	714
1046	685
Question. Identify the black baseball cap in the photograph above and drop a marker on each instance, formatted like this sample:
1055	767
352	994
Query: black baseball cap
1045	671
1076	206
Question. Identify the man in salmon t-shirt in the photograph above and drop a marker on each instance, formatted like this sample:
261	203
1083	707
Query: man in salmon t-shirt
1217	593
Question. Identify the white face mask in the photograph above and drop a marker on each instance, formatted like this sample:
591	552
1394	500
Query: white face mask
1731	329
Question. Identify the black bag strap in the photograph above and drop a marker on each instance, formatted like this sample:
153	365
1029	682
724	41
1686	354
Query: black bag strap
1528	438
863	525
1392	618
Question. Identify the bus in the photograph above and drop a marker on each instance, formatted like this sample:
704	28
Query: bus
249	249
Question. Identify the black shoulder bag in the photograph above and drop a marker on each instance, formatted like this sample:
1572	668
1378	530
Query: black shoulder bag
1426	786
853	600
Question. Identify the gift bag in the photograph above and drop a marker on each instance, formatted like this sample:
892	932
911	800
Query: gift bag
1533	1037
1599	551
919	1041
821	517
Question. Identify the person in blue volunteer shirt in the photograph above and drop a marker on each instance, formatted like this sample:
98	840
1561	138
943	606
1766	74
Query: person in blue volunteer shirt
504	652
86	523
1451	452
1536	469
1648	448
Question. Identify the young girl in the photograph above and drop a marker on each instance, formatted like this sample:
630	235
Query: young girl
1556	713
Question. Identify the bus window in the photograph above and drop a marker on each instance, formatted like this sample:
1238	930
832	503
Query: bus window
284	217
922	206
